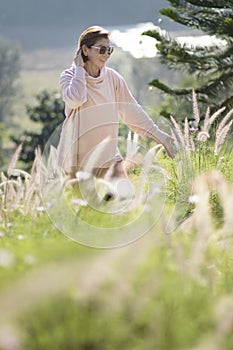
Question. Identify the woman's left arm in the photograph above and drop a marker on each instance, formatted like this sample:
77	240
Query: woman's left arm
138	120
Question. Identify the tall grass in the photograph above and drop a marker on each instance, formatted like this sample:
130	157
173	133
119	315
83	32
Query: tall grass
164	291
20	190
160	292
202	144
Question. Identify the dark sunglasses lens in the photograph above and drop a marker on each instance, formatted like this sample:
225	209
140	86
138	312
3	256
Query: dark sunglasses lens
110	50
105	49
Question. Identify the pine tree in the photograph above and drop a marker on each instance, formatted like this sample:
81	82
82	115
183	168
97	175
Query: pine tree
211	65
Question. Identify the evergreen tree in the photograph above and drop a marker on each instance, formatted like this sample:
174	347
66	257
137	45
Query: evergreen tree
211	65
49	112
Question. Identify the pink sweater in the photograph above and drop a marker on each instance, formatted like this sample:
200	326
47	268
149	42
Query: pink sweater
92	108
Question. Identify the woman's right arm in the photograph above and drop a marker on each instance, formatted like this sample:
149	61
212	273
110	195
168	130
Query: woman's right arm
73	85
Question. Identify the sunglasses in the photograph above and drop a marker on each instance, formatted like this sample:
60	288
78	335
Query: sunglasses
104	49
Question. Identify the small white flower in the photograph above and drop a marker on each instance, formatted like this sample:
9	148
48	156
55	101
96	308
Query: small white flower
20	237
193	199
7	258
40	209
83	175
79	201
2	234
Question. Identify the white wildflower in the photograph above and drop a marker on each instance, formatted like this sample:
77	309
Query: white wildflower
79	201
40	209
193	199
7	258
83	175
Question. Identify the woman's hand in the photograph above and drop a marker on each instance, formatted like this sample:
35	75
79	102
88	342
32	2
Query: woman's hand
170	147
78	60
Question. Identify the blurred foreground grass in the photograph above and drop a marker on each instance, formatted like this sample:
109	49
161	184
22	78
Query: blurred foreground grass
161	292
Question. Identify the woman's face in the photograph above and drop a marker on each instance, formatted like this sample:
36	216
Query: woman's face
94	54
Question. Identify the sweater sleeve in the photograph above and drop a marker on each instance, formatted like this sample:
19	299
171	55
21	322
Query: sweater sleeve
73	85
135	117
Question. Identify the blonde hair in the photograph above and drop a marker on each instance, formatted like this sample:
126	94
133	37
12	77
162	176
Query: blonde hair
91	35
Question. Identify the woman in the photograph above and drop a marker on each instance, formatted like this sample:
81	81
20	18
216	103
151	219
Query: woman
95	96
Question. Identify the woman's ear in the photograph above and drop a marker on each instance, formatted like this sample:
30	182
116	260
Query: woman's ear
85	50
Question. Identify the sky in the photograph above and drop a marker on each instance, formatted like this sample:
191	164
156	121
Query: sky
131	40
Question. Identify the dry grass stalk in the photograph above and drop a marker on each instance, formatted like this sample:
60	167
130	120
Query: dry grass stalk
202	220
22	193
221	137
213	118
186	141
179	133
206	119
196	113
187	135
223	122
14	160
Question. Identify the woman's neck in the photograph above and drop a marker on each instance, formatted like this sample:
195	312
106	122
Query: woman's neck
93	71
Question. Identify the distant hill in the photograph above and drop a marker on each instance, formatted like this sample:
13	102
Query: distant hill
57	23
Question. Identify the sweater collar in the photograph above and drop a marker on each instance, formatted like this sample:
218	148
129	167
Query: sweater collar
96	80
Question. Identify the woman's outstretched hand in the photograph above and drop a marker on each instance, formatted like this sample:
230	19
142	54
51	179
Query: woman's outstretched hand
78	60
170	147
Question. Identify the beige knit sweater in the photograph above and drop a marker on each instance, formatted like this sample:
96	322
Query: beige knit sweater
92	108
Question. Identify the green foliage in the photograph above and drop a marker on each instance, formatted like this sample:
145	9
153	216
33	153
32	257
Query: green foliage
49	113
161	309
33	243
9	72
210	65
165	321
